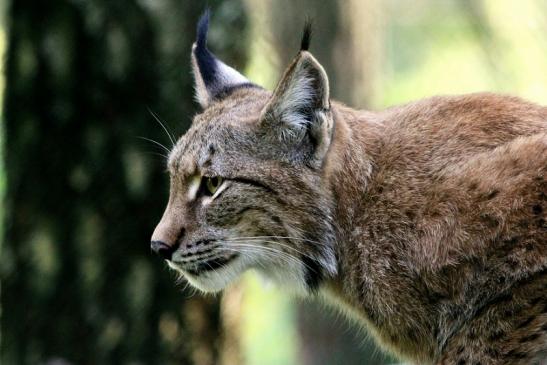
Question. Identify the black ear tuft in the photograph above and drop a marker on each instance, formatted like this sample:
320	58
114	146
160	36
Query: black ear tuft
202	28
205	59
212	76
306	36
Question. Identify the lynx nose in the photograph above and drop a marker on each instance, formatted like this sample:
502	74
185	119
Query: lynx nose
167	236
162	249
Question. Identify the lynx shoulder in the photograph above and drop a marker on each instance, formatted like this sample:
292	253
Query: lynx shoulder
426	221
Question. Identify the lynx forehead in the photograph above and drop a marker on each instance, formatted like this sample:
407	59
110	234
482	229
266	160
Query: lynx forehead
428	220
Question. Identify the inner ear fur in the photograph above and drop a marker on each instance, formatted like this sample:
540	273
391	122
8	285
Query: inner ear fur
300	106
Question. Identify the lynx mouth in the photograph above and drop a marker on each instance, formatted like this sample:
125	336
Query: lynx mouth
210	265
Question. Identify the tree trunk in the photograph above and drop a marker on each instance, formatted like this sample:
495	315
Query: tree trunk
84	193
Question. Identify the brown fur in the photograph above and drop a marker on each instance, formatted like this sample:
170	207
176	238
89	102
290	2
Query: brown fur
445	254
426	222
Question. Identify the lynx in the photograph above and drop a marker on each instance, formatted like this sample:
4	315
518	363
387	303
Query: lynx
426	222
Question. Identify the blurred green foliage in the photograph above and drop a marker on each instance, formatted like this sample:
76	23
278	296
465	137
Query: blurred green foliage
451	47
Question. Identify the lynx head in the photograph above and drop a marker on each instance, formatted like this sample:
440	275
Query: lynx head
247	186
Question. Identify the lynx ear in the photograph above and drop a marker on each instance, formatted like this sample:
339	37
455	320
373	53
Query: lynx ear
213	78
299	110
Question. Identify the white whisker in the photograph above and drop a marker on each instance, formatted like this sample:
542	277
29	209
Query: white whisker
171	137
156	154
254	239
155	142
284	237
270	250
253	249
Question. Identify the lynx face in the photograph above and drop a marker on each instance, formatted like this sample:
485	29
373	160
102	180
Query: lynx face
246	187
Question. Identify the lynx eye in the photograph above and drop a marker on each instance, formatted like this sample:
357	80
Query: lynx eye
212	184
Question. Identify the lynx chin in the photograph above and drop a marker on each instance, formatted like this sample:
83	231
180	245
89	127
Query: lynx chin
427	221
